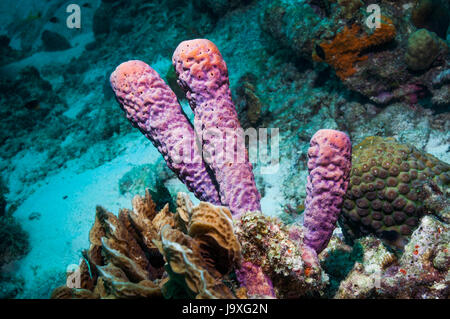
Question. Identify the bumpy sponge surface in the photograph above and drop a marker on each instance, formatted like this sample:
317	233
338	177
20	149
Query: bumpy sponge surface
152	106
383	197
203	75
329	164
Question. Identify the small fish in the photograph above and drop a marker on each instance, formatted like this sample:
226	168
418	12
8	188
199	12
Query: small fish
32	105
320	52
390	235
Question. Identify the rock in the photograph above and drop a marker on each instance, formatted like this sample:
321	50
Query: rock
423	47
53	41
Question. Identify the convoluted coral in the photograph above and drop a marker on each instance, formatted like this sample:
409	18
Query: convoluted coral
292	267
422	272
152	106
423	47
346	48
212	227
189	272
383	197
203	74
329	164
128	252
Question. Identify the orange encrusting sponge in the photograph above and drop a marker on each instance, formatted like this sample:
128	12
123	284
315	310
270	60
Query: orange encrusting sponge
345	49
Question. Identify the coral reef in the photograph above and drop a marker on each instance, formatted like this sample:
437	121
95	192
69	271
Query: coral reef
349	7
256	283
383	197
368	61
329	165
203	75
61	132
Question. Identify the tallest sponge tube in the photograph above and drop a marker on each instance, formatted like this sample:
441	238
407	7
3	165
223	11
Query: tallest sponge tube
203	75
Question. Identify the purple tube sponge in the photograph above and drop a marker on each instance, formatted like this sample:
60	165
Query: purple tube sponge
203	75
329	165
152	106
257	283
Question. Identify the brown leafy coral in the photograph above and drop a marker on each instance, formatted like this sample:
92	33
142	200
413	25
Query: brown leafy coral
197	263
128	252
346	47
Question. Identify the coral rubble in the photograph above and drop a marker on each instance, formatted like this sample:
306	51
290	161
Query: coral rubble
421	271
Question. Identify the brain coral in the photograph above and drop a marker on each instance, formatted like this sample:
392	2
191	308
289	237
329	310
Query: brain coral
423	48
383	197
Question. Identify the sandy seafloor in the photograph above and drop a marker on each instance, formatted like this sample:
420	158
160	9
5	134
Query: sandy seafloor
66	197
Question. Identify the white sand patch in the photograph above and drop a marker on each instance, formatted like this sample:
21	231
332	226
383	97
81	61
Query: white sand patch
67	204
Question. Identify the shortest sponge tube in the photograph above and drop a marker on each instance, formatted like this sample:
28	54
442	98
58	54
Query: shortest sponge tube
329	165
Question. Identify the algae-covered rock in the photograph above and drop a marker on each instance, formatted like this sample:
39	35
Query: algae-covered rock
423	48
421	272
